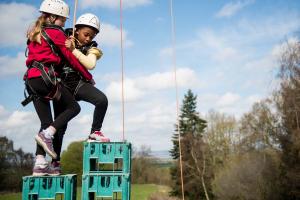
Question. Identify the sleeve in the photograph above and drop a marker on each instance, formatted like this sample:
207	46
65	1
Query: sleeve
88	61
59	39
97	52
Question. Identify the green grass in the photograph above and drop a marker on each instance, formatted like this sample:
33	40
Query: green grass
138	192
11	196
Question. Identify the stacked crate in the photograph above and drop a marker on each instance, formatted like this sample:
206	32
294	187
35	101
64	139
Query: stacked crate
106	171
49	187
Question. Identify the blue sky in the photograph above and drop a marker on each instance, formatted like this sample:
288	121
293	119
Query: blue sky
226	52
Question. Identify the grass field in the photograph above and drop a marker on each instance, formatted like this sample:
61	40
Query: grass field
138	192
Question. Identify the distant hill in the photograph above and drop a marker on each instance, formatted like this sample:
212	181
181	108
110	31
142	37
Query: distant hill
164	154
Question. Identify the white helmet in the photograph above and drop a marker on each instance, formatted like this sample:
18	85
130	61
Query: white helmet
56	7
89	19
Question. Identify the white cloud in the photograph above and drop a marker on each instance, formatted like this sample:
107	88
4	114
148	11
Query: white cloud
2	111
12	65
146	122
263	64
267	29
131	90
15	19
15	25
19	126
215	45
279	49
242	56
232	8
237	42
253	99
110	36
114	4
228	99
230	103
186	77
18	119
136	88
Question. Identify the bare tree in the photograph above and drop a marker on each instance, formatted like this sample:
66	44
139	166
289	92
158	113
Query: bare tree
221	136
288	105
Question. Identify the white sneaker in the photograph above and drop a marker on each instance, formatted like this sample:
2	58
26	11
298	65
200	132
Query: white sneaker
97	136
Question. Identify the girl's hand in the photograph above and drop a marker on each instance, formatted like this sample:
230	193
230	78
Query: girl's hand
70	43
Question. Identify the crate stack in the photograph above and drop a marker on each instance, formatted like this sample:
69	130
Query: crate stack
106	171
49	187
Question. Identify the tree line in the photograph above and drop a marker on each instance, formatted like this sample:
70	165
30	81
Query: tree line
255	157
14	164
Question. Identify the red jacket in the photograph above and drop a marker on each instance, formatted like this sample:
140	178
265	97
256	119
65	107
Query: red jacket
43	53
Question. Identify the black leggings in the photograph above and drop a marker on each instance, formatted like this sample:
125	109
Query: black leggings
89	93
43	109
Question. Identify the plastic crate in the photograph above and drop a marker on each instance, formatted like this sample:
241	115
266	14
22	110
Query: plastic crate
105	186
49	187
106	157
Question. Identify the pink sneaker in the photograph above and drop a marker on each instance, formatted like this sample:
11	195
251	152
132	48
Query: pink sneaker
97	136
46	143
55	165
44	171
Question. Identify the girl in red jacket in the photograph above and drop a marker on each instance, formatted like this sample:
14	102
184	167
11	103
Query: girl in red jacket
46	56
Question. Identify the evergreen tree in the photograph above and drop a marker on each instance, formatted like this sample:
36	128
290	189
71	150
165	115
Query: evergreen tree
189	122
191	128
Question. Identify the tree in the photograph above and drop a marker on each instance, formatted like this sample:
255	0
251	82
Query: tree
14	164
250	175
191	127
288	105
72	160
146	169
248	171
258	128
220	136
189	122
142	166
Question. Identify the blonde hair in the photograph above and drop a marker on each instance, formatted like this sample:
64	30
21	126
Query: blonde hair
34	32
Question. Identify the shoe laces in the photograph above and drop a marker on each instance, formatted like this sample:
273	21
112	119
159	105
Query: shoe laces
98	133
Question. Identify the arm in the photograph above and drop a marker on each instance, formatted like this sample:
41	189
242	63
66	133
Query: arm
59	39
89	60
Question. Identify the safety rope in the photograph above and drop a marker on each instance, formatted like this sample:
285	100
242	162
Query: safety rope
122	71
176	86
74	17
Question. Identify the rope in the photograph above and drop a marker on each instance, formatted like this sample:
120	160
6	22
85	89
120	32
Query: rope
122	69
74	17
176	86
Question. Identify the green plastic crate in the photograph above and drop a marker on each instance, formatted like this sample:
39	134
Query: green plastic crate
106	157
106	186
48	187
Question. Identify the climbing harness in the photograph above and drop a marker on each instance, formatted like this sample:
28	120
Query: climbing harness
50	80
48	76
